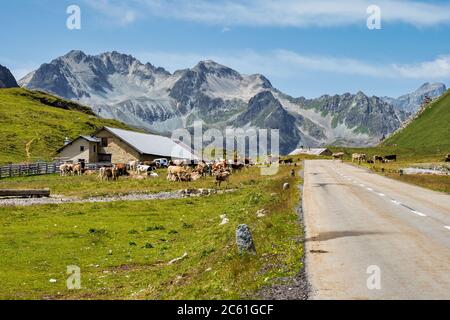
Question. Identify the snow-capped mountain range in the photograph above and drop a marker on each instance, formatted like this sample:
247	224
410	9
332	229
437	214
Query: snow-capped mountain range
121	87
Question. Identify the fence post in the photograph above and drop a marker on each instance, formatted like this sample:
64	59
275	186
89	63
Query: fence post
10	170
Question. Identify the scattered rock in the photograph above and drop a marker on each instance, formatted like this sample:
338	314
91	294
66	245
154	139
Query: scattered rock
286	186
244	239
224	218
261	213
184	256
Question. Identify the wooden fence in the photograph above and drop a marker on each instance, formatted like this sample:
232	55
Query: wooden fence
31	169
39	168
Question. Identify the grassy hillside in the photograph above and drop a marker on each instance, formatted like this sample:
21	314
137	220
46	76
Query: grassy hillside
430	132
33	124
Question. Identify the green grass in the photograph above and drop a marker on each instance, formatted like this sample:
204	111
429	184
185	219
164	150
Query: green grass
123	248
426	140
430	132
90	186
406	157
38	123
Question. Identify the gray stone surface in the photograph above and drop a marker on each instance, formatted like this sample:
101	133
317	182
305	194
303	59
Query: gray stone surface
244	239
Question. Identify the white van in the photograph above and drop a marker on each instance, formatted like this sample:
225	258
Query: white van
163	162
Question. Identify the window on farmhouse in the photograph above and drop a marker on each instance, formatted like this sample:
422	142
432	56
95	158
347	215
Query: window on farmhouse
104	142
81	148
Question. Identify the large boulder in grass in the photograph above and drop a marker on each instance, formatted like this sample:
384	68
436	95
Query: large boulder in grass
244	240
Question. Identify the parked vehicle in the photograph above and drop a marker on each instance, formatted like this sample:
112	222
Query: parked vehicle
163	162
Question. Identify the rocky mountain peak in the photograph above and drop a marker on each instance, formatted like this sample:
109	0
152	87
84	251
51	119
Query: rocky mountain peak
7	80
411	102
119	86
213	68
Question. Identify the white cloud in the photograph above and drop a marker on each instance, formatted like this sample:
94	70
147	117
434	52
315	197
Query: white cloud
287	64
281	13
118	12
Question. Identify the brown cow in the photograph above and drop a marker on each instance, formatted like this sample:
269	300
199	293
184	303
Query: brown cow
65	169
108	174
176	173
222	176
121	169
338	156
76	169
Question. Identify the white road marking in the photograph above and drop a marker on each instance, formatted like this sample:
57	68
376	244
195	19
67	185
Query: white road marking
370	189
418	213
396	202
381	194
447	227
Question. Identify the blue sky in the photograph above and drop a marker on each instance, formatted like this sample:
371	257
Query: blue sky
306	48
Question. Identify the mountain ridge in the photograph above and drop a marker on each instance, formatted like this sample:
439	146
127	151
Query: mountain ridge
119	86
7	79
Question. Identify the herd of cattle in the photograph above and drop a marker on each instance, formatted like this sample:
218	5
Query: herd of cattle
176	171
360	157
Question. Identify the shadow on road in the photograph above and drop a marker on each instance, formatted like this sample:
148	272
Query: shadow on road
342	234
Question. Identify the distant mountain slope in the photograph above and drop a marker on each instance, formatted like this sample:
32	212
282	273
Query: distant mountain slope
431	129
7	80
34	125
411	102
118	86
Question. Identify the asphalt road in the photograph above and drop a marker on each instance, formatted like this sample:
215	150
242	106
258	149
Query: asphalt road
371	237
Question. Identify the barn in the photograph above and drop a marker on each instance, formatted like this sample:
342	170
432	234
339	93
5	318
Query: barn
112	145
312	152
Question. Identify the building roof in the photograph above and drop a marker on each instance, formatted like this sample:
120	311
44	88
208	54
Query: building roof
87	138
90	139
310	151
154	144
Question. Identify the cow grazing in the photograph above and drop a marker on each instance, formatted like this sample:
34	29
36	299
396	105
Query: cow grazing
338	156
377	158
176	173
195	176
107	174
76	169
142	168
122	169
222	176
359	157
89	172
392	157
133	165
201	168
219	166
65	169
